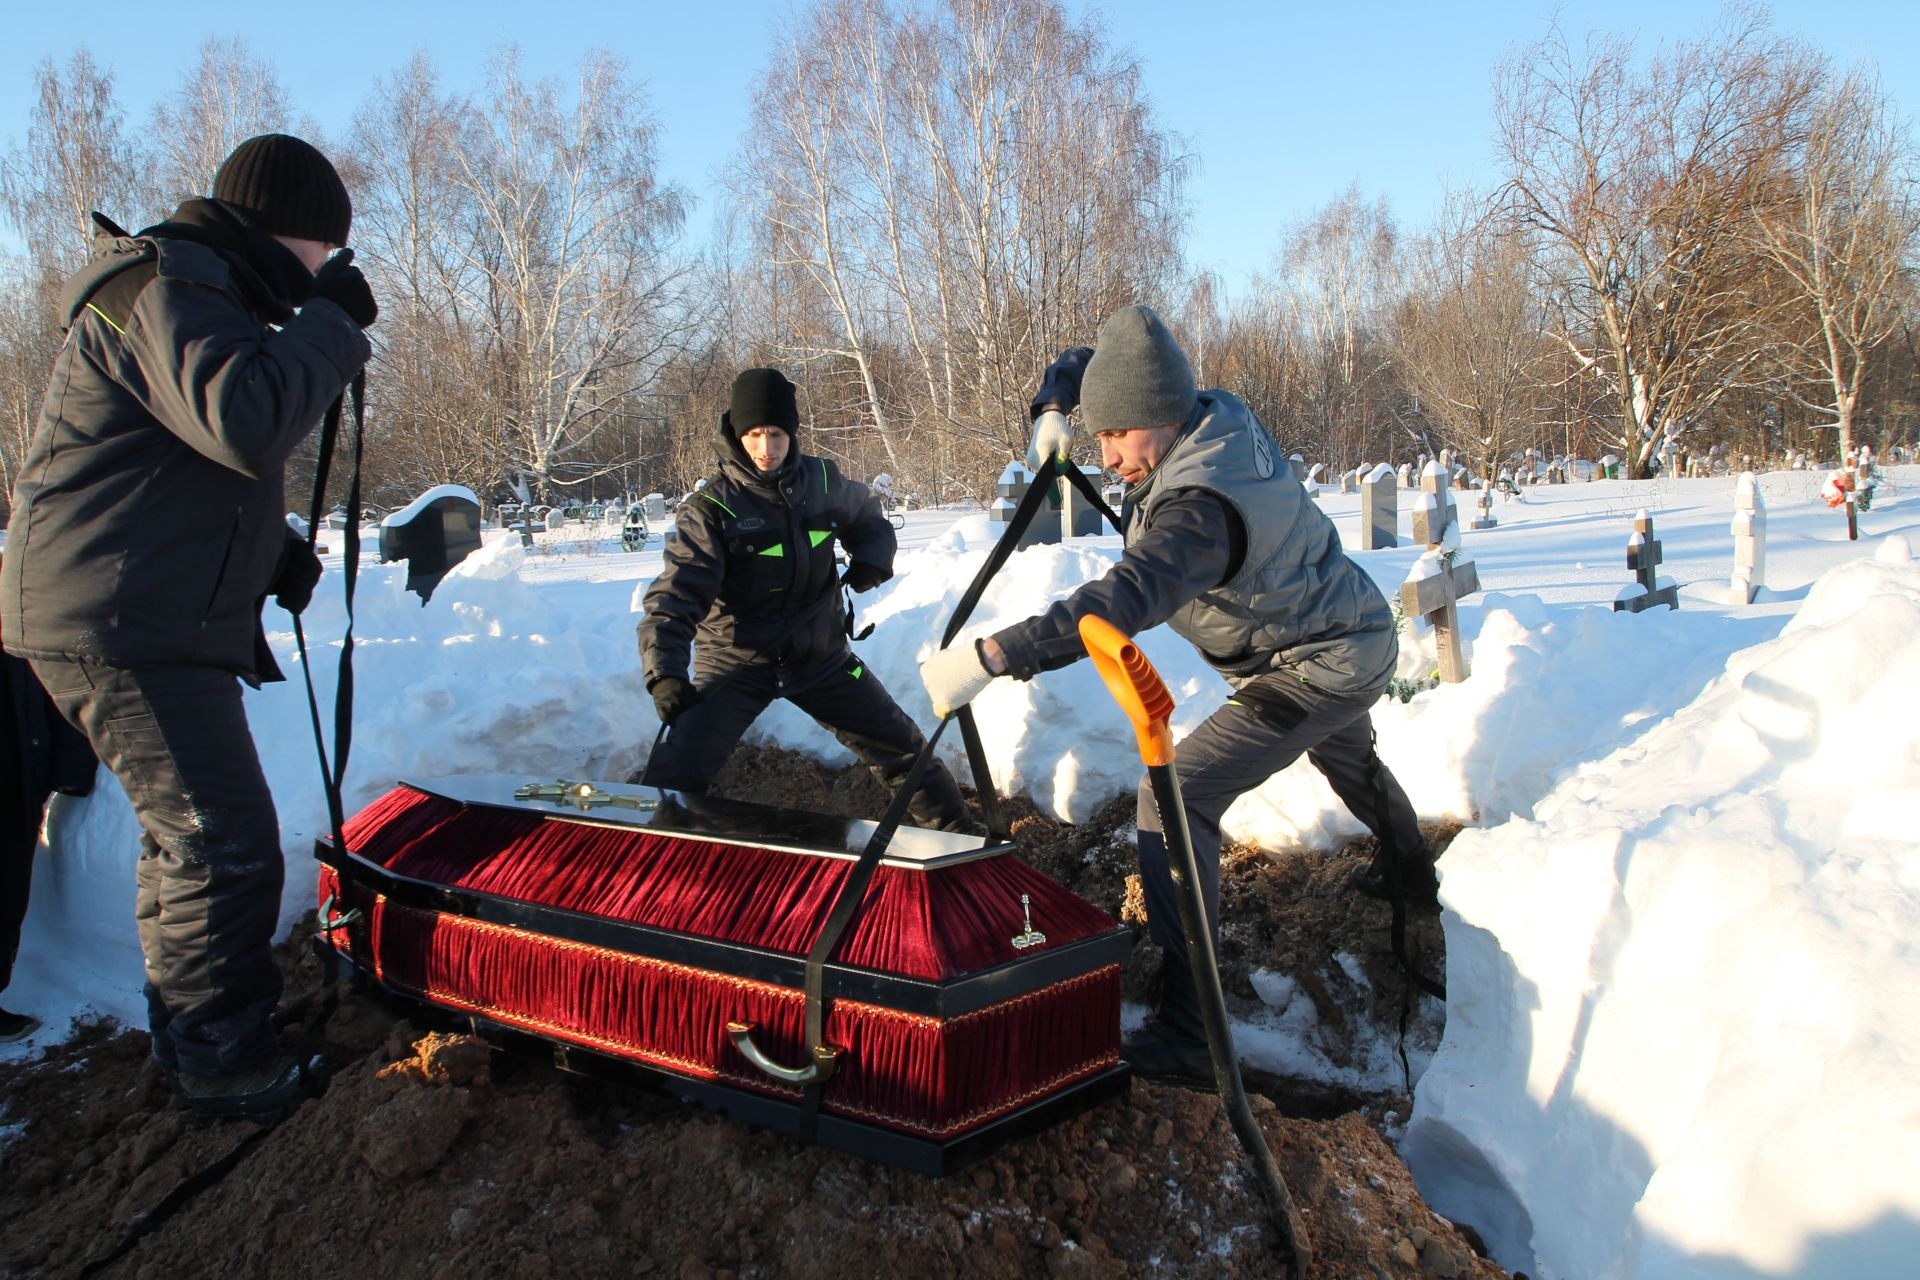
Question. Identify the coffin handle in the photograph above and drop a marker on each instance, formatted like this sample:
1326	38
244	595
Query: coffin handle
826	1058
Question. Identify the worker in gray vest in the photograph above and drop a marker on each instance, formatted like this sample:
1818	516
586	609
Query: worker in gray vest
1225	545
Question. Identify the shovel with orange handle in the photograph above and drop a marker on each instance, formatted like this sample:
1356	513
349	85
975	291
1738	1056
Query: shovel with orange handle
1143	696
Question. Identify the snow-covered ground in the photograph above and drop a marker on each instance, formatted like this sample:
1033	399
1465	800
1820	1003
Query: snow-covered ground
1683	1024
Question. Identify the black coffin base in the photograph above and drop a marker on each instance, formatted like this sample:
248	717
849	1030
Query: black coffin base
870	1142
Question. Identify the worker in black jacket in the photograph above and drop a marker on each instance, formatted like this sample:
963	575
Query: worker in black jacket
146	535
748	608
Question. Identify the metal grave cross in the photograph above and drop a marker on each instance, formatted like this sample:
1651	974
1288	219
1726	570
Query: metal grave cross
1643	557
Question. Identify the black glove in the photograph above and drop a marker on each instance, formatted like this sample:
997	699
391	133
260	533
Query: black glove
865	577
1060	388
340	282
299	574
673	697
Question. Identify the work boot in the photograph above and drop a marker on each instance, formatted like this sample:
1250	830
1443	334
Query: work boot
16	1026
1172	1047
1412	880
266	1093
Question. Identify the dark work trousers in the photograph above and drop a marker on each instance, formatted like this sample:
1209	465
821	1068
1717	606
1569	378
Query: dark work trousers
841	693
210	870
1239	747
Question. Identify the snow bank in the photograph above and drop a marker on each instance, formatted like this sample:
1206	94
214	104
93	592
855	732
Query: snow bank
1683	1033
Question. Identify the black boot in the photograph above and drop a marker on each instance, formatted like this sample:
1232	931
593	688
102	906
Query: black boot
16	1026
1410	879
1172	1047
266	1093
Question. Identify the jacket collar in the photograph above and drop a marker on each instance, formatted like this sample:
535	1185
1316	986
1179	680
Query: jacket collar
267	272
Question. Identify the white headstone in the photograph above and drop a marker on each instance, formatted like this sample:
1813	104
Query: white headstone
1749	540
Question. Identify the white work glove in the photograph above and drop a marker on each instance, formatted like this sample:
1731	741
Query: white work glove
1052	438
954	677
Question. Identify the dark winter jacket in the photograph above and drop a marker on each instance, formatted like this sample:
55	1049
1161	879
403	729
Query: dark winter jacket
750	567
148	515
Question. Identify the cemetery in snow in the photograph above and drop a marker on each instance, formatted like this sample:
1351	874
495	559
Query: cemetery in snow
1415	511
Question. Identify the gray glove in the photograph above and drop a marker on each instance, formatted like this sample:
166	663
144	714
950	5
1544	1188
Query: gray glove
1052	438
954	677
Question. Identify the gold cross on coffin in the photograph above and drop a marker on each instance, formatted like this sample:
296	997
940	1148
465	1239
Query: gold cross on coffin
578	795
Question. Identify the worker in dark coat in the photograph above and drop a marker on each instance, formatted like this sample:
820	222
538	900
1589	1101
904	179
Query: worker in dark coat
148	532
749	608
39	754
1223	545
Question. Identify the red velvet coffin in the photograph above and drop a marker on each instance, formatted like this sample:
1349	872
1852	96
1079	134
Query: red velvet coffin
972	998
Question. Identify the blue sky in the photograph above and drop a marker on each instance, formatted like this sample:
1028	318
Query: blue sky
1284	104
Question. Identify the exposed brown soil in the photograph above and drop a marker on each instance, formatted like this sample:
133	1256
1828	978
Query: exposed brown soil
431	1155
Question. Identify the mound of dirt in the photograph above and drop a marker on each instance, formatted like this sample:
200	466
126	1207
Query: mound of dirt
430	1155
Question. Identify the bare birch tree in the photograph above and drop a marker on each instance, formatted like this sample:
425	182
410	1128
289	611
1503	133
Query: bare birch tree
1639	182
1470	338
229	96
1844	239
524	241
1328	290
967	187
76	158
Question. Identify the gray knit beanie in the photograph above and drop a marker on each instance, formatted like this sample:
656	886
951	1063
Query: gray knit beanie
1138	377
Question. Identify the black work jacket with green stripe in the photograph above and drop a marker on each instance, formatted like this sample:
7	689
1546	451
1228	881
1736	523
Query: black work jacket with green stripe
750	573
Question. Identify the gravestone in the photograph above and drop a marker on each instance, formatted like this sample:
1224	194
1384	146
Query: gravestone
1485	520
1749	540
1434	584
1316	477
1379	510
1406	475
1012	486
1350	480
433	533
1433	510
1643	557
656	505
1078	517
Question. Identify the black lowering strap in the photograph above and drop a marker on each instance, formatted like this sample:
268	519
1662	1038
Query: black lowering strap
1397	934
334	775
1003	550
854	890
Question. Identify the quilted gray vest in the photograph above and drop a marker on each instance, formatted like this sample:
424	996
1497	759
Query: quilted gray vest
1297	604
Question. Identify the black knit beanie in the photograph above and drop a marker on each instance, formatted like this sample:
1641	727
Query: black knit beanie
762	398
1138	377
287	188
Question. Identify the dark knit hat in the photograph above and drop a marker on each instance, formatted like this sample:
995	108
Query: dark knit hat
762	398
287	188
1138	377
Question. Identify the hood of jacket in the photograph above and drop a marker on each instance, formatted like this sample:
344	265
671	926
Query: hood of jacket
266	272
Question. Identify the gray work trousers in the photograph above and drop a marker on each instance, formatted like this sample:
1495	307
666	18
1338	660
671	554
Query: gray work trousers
1255	735
210	870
